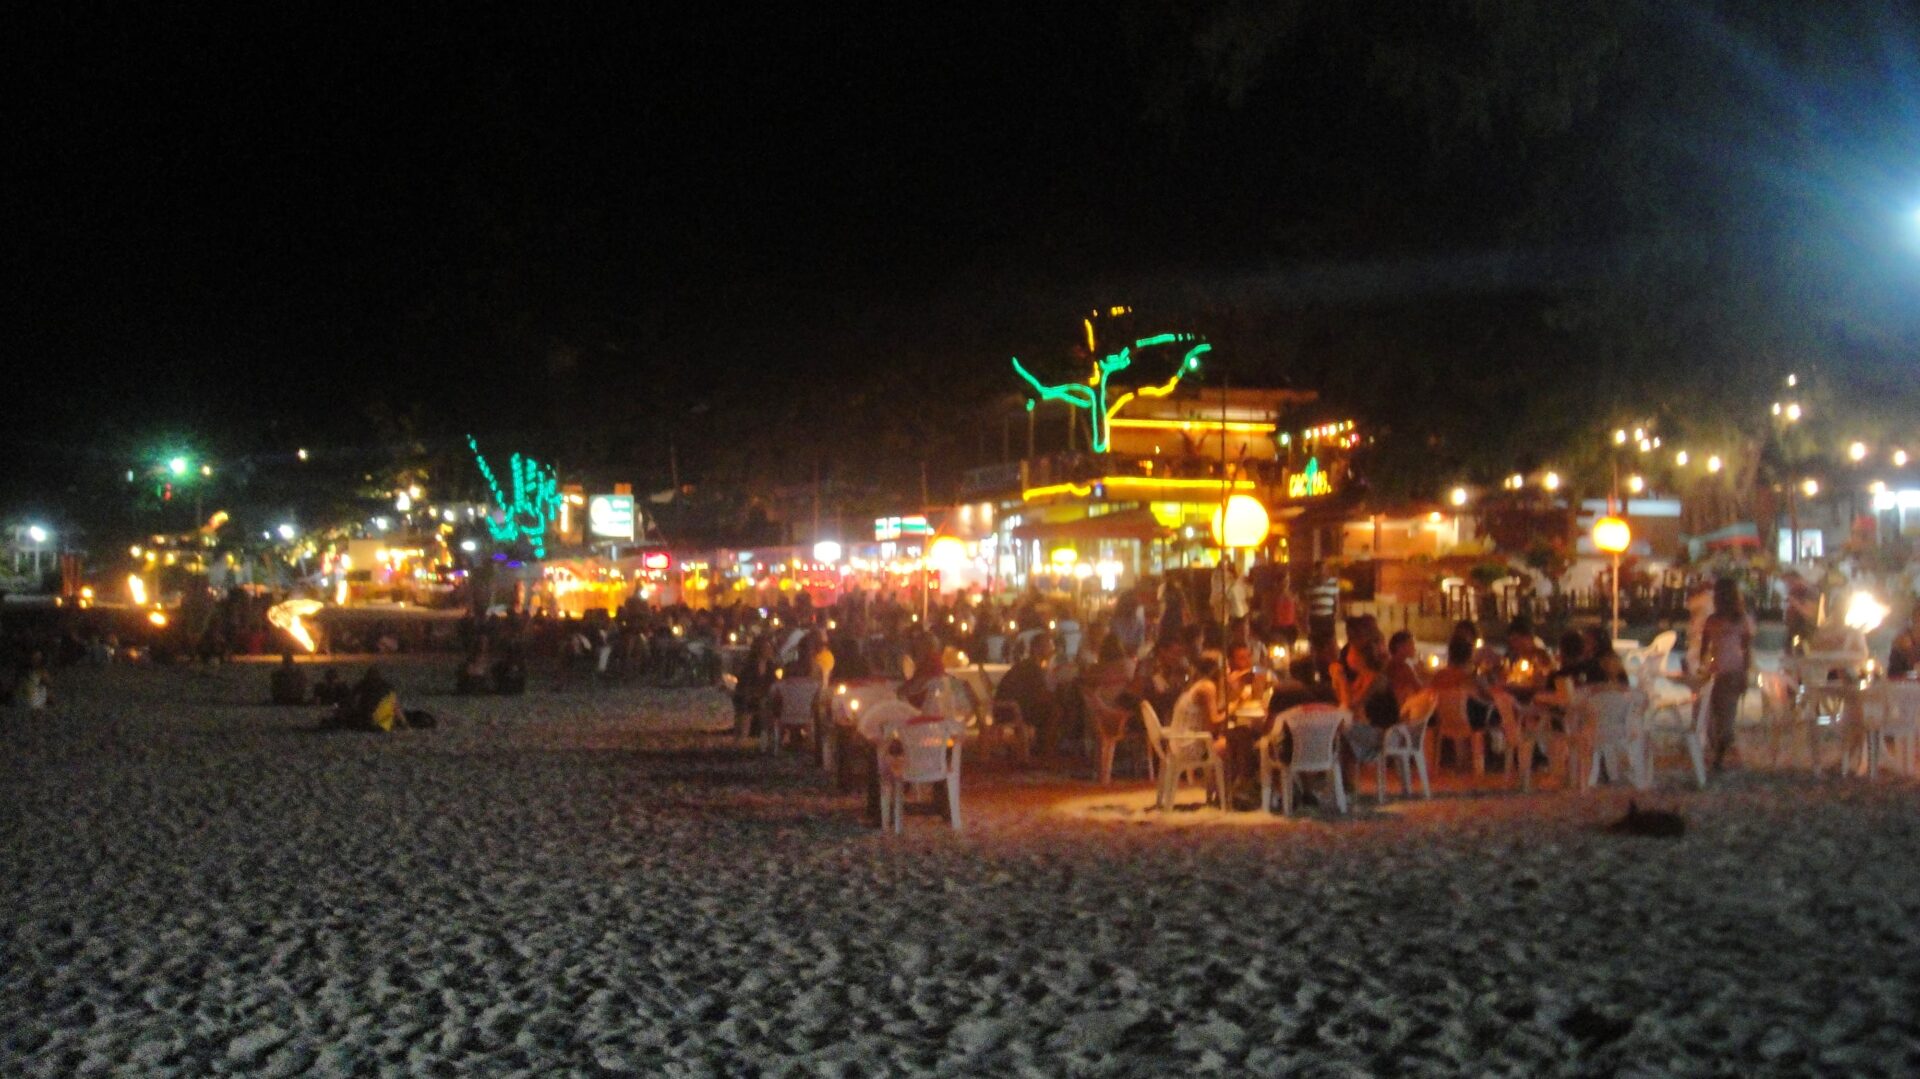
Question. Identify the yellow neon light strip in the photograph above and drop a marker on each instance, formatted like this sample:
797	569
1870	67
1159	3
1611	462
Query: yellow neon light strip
1081	490
1188	425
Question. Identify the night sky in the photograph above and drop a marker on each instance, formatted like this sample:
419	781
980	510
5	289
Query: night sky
250	229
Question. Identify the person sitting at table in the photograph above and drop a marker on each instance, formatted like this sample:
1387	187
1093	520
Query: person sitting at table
1198	708
1485	659
1524	647
1403	667
288	684
1903	659
1361	686
1603	665
1573	658
1112	673
928	671
1459	674
1242	682
1160	680
1104	691
1025	686
752	686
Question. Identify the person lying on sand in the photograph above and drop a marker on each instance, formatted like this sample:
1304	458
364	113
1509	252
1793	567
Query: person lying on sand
331	690
372	705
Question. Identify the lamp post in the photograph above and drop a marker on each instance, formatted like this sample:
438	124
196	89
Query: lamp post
1612	535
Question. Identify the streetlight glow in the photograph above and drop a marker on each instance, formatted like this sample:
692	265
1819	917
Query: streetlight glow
36	533
1551	481
1680	458
286	531
1612	535
1793	412
1458	497
1899	458
1857	452
1636	484
1811	487
177	466
1713	463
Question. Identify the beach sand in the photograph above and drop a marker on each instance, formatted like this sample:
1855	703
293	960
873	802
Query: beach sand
592	882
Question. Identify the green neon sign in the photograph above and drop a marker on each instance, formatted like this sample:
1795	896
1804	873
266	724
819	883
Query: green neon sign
1092	394
535	503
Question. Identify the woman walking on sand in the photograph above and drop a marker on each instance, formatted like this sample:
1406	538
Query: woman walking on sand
1727	656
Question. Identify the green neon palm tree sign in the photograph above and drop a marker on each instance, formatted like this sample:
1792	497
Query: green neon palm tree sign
1092	394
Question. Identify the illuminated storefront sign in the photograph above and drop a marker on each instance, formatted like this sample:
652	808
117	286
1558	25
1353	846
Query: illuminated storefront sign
892	528
611	516
535	503
1309	482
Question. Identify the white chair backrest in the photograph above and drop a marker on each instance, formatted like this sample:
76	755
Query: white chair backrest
1187	711
1658	650
1451	710
924	742
1903	705
1416	713
1615	711
1507	707
874	720
1156	734
1315	729
797	696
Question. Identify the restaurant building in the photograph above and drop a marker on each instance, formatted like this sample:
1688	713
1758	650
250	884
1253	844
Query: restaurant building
1142	502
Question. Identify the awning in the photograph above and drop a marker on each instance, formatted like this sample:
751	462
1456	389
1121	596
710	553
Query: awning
1127	524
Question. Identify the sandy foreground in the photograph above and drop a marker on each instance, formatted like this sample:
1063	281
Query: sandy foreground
584	882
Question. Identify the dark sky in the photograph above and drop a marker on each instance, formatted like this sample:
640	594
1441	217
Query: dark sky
210	199
226	220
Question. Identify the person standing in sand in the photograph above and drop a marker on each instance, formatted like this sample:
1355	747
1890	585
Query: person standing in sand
1728	656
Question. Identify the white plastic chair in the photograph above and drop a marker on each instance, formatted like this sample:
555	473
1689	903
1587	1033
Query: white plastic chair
1405	745
1182	754
1315	733
922	749
1108	726
1653	658
1668	717
1615	718
1779	718
1516	737
1892	713
796	697
1453	727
